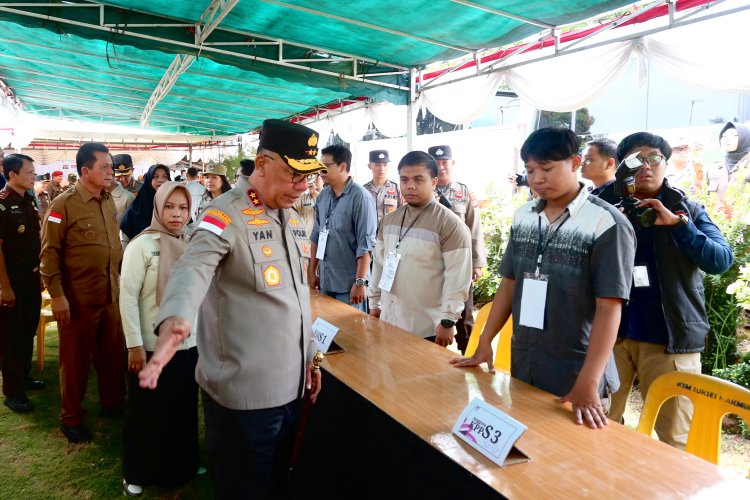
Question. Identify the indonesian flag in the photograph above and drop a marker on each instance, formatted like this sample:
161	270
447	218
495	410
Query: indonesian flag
213	224
55	217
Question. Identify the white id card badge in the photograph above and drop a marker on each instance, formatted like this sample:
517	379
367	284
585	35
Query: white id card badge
389	271
533	300
640	276
322	238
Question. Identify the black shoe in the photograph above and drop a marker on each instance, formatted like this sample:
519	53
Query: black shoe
76	433
18	405
116	412
34	384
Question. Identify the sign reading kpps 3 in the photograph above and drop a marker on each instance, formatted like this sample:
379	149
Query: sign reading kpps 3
488	430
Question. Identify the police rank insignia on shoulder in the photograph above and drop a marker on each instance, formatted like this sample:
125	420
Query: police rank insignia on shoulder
254	197
215	221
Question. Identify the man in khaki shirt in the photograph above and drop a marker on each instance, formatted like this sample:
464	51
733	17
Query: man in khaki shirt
54	188
80	263
245	272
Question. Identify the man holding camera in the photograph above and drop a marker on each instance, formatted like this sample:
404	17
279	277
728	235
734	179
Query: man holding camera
664	325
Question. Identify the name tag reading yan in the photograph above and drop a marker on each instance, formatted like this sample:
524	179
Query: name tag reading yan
324	333
491	432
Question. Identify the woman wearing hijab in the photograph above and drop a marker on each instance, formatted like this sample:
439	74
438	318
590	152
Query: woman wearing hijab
160	430
735	141
216	183
138	215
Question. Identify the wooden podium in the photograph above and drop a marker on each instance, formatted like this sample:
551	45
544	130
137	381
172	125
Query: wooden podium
382	429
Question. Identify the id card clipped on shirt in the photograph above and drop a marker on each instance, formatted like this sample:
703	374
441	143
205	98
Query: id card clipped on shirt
322	239
533	300
389	271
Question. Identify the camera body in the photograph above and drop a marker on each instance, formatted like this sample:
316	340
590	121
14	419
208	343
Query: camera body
625	189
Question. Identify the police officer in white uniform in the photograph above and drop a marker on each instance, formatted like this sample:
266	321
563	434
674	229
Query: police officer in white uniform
245	271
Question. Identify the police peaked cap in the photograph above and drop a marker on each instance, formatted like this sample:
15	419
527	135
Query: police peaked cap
295	143
441	152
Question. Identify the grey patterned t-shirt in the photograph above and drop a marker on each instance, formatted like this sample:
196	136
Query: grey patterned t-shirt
590	256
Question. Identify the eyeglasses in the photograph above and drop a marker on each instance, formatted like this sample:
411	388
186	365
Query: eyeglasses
296	178
651	160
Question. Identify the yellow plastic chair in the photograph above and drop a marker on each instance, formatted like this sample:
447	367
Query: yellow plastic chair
45	318
502	356
712	399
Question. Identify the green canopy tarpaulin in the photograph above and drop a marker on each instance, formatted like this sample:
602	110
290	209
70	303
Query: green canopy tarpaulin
261	58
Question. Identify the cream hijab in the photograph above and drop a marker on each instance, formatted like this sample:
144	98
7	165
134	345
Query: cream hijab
172	244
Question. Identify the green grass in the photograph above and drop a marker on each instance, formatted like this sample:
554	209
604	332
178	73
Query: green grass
37	462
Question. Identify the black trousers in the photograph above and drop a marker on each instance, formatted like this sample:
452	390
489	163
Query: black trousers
17	329
465	325
160	430
250	449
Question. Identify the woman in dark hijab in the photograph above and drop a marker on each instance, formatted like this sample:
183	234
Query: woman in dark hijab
138	216
735	141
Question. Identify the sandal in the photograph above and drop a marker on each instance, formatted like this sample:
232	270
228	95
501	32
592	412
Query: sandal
131	490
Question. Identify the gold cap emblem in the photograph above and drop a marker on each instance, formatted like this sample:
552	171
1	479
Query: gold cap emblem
312	141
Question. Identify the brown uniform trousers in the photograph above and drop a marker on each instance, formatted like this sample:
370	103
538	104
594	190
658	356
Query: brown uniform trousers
81	255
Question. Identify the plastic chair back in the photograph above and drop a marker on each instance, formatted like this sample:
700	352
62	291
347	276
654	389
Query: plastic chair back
502	356
712	399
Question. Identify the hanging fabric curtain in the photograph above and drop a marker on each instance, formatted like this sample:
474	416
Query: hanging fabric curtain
572	81
719	63
389	119
463	101
352	125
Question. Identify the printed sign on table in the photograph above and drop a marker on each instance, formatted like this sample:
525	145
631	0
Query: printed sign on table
491	432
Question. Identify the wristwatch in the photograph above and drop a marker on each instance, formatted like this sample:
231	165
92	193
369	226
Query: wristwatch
360	282
447	323
683	220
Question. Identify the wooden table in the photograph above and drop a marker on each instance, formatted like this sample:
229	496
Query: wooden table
410	381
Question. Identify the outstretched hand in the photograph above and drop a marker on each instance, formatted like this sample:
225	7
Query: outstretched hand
172	332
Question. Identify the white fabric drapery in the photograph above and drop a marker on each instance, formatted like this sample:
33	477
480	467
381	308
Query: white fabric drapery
463	101
388	118
571	81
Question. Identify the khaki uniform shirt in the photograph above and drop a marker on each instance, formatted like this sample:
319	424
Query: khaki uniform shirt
81	251
54	191
134	186
387	197
466	207
122	198
305	207
245	268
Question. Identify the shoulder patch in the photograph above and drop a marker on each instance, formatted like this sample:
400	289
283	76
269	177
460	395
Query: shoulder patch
55	217
4	194
254	197
213	224
219	215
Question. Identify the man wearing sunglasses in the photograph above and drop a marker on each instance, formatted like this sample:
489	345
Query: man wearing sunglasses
244	270
664	324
